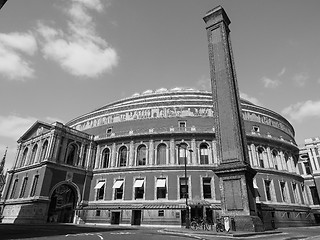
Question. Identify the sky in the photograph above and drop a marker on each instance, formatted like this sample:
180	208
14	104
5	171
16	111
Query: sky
60	59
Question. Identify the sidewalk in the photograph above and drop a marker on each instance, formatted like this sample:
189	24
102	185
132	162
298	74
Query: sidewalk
214	233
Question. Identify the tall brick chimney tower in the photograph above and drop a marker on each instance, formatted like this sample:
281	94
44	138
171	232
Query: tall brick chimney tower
234	171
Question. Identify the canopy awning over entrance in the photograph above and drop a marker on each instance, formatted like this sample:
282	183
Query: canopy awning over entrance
118	184
99	185
161	183
200	202
134	206
215	206
138	183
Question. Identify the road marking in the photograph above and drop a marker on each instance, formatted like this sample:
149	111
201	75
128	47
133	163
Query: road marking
85	234
121	233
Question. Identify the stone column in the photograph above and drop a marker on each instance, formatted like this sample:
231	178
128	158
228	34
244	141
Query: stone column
98	163
172	152
270	158
131	153
214	152
314	156
151	153
254	155
304	171
114	155
193	159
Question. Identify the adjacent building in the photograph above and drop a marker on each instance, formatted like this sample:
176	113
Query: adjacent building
123	163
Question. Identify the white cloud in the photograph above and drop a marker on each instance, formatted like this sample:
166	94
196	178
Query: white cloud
79	50
13	50
303	110
270	83
204	83
273	82
283	70
301	78
250	99
14	126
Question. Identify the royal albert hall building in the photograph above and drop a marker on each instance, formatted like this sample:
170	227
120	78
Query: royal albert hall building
124	163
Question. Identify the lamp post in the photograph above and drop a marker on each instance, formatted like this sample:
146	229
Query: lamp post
185	177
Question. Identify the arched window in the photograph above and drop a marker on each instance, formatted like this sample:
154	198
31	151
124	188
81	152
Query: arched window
204	154
105	158
162	154
122	161
33	154
182	153
71	154
44	150
141	155
260	156
24	157
274	158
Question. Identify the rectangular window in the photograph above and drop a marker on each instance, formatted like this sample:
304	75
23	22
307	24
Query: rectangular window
206	187
161	188
138	189
267	184
283	191
315	196
183	188
261	162
14	188
161	213
98	213
182	125
34	185
100	187
118	188
23	188
308	167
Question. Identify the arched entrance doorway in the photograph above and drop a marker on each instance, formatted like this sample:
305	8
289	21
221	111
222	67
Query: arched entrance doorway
62	204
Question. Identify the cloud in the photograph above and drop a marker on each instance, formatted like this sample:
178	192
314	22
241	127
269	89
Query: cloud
13	50
283	70
14	126
204	83
270	83
273	82
302	110
250	99
79	50
300	79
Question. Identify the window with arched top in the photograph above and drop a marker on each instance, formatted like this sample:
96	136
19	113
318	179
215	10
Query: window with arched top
161	154
71	154
105	158
286	158
204	154
141	155
260	156
122	160
44	150
33	154
274	158
182	153
24	157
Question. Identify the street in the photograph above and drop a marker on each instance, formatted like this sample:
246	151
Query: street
96	232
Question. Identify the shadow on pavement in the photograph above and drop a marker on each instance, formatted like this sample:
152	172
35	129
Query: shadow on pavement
18	231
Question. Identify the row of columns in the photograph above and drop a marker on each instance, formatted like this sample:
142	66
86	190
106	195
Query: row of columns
270	161
55	152
193	158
